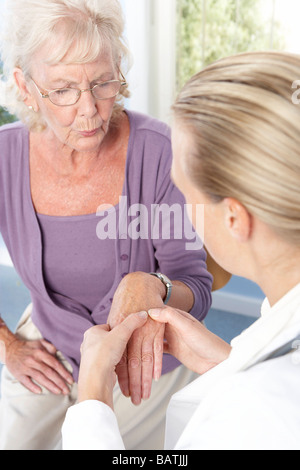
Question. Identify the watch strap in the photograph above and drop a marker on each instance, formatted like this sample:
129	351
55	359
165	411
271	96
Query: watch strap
167	283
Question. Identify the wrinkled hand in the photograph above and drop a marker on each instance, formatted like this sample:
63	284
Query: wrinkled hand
189	341
101	352
33	363
141	362
142	359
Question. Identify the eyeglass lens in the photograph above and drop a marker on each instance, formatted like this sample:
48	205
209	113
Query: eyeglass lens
70	96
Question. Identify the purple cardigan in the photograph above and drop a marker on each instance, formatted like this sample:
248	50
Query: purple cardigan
62	320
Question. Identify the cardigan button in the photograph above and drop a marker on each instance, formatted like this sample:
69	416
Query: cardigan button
124	257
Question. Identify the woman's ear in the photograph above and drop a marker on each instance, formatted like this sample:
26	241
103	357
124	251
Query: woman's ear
237	219
22	84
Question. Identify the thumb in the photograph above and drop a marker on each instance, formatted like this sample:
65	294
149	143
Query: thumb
51	349
130	324
176	318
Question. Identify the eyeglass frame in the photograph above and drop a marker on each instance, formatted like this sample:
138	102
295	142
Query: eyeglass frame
122	82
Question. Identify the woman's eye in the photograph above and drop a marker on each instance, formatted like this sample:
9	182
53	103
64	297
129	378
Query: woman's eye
64	91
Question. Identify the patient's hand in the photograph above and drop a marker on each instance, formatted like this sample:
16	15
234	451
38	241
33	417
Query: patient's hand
101	352
142	360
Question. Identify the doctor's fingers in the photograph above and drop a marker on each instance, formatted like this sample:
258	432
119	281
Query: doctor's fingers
177	318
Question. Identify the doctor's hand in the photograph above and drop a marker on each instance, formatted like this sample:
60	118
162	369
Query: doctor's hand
101	352
189	341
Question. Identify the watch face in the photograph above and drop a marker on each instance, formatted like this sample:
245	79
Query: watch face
166	280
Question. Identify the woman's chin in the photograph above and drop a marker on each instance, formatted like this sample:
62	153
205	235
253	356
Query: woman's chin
88	143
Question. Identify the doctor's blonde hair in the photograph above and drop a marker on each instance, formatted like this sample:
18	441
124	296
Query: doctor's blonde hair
246	130
74	31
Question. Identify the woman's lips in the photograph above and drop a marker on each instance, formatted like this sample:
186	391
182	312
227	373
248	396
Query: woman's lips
88	133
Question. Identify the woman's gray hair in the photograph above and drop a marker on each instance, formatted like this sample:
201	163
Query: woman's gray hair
92	25
246	134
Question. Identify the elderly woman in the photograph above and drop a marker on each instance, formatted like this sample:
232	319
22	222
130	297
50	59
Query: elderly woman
247	175
77	162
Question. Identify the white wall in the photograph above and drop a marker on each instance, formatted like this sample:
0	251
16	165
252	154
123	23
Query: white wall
151	36
137	35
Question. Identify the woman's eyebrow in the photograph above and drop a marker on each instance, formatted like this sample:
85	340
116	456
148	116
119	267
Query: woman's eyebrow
104	77
66	82
61	81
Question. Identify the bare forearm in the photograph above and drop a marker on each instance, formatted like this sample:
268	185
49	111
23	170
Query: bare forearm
141	291
182	297
6	338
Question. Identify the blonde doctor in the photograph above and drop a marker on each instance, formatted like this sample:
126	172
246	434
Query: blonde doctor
236	142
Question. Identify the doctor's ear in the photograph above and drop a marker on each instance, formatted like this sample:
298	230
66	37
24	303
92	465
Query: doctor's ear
237	219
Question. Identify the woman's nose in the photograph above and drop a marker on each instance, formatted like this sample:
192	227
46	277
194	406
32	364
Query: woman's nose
87	103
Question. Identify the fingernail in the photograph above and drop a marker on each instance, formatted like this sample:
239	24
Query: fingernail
143	314
154	313
157	376
136	399
146	393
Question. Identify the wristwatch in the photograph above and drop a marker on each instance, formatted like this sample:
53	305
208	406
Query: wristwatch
166	281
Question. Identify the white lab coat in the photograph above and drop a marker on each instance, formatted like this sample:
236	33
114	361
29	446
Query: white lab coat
241	404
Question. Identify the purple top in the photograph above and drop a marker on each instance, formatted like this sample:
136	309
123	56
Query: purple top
69	265
59	257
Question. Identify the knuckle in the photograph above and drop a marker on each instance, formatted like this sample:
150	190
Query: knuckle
38	355
123	361
158	347
134	362
147	358
44	369
30	362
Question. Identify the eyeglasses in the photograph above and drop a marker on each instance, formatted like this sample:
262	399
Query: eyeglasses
70	96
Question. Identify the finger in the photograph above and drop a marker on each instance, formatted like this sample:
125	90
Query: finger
122	373
56	364
133	322
57	371
158	348
135	369
45	380
147	361
172	316
49	347
30	385
131	384
48	377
